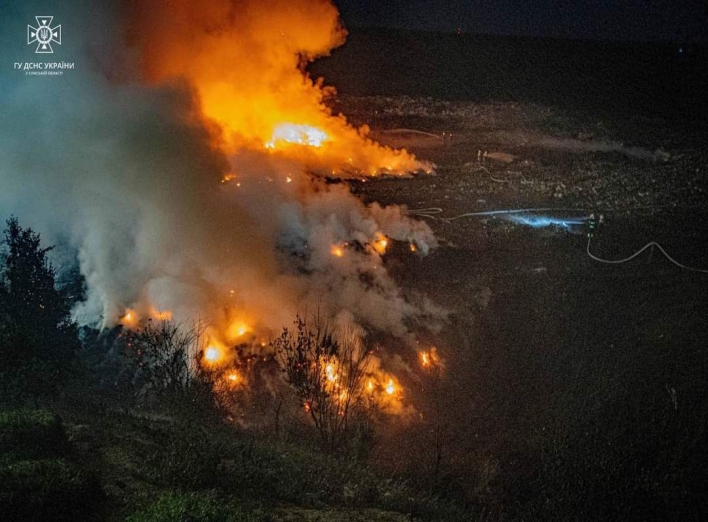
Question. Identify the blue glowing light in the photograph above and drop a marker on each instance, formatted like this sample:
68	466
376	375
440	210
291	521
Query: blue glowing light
546	221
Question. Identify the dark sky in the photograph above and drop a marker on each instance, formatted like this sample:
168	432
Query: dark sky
642	20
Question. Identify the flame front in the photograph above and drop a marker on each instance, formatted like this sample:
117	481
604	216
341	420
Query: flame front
245	61
243	66
296	134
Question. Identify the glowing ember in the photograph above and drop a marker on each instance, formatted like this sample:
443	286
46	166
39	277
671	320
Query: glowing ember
337	251
237	329
425	359
413	247
380	244
331	377
160	315
233	377
130	318
430	358
370	385
390	387
296	134
212	354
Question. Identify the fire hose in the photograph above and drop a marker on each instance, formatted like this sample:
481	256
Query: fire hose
432	213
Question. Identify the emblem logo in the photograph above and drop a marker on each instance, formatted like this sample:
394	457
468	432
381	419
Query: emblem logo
44	34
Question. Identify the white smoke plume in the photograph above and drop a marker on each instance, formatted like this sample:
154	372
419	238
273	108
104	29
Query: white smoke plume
130	175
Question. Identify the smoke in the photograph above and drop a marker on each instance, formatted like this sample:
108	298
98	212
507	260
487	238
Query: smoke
245	58
124	160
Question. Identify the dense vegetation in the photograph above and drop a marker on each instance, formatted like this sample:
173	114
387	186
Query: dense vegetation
122	426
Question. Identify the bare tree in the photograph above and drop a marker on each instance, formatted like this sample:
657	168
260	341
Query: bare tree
168	355
327	371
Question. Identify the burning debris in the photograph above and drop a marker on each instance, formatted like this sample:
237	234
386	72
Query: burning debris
203	195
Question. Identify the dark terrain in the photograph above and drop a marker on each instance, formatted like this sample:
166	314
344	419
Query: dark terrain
573	389
569	389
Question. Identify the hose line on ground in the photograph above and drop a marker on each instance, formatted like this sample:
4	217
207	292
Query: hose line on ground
433	213
638	252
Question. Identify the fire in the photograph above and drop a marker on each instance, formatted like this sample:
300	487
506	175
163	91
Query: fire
130	318
331	376
429	359
296	134
380	243
237	329
337	251
425	359
212	354
245	61
233	377
160	315
390	387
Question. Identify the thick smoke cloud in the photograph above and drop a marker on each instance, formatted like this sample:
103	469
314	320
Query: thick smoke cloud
129	175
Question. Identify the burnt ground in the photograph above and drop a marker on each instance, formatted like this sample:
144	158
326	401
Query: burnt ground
571	388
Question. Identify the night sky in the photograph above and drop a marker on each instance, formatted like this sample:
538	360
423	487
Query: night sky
632	20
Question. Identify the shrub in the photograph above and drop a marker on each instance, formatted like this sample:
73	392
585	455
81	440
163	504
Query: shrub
276	473
203	506
326	370
31	433
46	489
168	355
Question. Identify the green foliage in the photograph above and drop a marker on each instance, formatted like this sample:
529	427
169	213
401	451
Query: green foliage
26	418
38	339
46	489
36	483
277	473
203	506
31	433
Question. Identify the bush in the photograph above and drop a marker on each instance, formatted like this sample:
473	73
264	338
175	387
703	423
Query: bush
46	489
326	370
28	433
169	358
278	473
203	506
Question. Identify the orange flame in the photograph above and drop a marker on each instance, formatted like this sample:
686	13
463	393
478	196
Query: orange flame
380	243
430	359
233	378
130	318
390	387
212	354
245	61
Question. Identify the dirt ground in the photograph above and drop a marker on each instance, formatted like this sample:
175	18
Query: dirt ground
543	344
